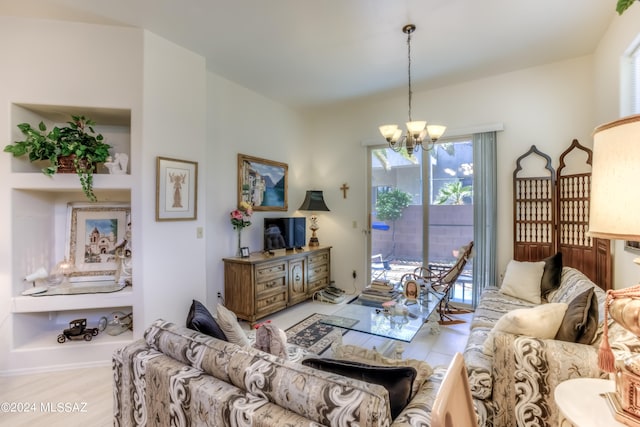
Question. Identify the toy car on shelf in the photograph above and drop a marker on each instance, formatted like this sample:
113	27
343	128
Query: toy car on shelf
78	330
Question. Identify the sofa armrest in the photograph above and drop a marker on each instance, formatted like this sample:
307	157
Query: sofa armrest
526	372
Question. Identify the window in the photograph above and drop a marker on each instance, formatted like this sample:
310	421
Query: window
630	91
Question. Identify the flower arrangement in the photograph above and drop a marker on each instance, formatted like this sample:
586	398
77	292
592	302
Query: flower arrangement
240	217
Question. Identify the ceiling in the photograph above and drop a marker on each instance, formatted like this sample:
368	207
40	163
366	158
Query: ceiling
311	53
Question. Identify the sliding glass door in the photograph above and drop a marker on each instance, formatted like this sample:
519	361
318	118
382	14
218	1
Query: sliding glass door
402	208
396	213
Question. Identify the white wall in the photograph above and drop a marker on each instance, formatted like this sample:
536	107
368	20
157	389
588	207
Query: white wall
173	126
242	121
164	87
607	63
547	106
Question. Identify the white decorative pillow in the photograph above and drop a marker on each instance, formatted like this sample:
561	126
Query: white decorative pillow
522	280
540	322
228	322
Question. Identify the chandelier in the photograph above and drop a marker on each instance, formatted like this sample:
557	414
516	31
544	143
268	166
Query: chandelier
418	133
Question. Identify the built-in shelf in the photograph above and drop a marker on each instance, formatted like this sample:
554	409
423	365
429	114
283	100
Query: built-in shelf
39	212
47	340
28	303
66	182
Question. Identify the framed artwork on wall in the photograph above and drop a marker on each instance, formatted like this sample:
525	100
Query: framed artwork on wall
632	246
94	232
176	190
262	183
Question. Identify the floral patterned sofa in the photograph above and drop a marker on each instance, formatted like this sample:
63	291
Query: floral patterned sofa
515	385
177	376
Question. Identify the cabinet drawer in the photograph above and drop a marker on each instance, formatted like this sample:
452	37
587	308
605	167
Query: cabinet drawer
318	283
320	258
269	284
267	271
318	271
271	303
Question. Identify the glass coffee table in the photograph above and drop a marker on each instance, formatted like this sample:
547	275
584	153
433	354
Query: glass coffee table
387	324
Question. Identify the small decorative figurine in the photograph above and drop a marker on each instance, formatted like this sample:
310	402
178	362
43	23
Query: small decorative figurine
78	330
117	165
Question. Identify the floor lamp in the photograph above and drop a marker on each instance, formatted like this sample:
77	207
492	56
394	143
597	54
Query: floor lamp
614	214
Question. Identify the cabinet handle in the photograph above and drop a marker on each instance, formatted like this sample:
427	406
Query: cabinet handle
297	277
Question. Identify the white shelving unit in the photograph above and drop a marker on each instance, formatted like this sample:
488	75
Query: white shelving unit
38	207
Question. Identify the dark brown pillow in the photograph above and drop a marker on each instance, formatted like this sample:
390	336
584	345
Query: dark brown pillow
398	380
552	273
200	319
580	321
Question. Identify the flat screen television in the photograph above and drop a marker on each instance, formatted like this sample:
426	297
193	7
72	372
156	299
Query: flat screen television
287	233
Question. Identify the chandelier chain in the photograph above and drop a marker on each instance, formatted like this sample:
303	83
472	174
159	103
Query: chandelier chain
409	71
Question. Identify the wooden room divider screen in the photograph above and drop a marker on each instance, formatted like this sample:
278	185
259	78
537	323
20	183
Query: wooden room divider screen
552	215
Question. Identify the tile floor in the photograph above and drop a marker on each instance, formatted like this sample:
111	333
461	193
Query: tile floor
92	386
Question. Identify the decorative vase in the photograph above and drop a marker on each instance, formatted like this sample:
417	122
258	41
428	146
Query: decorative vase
239	251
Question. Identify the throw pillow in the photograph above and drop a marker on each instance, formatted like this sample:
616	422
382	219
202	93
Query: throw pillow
541	322
229	323
551	275
522	280
580	322
355	353
397	380
200	319
271	339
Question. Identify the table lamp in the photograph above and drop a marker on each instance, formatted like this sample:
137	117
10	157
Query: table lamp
314	202
613	214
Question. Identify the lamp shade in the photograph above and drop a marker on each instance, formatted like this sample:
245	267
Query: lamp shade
313	201
615	199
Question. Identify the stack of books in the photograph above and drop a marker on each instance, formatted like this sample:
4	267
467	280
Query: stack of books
379	291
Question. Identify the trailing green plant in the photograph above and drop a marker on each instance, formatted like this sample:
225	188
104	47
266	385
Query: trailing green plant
78	140
623	5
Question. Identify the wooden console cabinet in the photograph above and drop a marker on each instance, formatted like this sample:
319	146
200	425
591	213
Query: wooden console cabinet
259	285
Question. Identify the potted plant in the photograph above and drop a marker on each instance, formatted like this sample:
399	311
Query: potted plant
73	148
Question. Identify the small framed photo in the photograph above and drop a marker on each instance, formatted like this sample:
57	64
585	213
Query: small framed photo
411	290
244	252
95	231
176	190
632	246
262	183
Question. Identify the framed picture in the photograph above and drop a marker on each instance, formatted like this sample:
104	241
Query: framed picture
244	252
632	246
262	183
411	290
95	230
176	190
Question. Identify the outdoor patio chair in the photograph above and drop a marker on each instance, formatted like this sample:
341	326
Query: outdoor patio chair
443	281
379	267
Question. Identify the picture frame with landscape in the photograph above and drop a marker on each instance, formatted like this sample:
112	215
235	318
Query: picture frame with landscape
262	183
94	232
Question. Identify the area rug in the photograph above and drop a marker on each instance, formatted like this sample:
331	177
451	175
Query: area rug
313	335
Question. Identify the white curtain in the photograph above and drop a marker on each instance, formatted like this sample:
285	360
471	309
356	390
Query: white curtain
484	212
